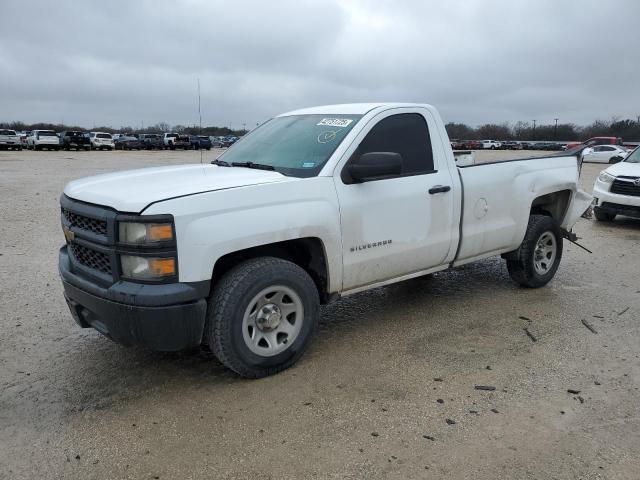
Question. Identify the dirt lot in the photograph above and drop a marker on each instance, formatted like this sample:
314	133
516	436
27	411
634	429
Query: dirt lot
375	397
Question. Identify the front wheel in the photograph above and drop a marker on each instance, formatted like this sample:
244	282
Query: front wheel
537	259
262	316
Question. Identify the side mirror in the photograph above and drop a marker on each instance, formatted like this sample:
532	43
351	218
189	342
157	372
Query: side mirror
616	160
375	166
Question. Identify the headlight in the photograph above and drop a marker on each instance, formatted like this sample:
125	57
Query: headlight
147	268
144	233
604	177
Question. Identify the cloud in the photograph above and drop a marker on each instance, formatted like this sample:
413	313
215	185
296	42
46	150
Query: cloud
126	63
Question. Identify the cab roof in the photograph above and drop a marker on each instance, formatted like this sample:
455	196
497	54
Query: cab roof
349	108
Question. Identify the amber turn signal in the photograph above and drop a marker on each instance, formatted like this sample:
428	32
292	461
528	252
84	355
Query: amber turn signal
159	232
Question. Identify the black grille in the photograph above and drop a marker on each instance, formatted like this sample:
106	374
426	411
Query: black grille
628	186
91	258
85	223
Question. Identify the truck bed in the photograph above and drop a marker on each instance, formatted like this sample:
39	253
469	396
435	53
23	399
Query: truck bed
497	198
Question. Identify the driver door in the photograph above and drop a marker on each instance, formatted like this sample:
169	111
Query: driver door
403	224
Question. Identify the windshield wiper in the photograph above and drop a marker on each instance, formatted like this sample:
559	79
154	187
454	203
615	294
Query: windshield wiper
220	163
258	166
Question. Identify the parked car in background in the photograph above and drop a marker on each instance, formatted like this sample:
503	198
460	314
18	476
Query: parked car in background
200	141
181	141
23	138
168	139
9	139
490	144
229	140
472	145
40	139
617	189
74	139
604	154
128	142
596	141
456	144
547	146
101	141
151	141
216	142
512	145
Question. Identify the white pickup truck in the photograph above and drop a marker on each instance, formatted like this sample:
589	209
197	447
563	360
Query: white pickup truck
312	205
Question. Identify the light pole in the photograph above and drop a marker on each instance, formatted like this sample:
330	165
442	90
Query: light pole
534	130
555	129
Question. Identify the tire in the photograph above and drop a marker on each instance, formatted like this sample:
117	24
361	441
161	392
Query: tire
228	329
602	216
542	241
613	160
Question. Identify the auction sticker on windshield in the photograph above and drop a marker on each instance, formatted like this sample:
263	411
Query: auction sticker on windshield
335	122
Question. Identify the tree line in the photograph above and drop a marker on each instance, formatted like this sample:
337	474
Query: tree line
157	128
628	129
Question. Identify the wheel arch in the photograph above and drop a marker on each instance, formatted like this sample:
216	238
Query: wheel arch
554	205
309	253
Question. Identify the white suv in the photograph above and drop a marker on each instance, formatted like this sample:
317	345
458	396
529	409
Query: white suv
491	144
617	189
101	141
40	139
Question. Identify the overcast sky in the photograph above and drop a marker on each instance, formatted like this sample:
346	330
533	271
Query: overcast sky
121	63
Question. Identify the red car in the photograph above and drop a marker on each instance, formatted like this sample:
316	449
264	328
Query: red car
596	141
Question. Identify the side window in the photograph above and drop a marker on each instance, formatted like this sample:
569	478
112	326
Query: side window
607	149
406	134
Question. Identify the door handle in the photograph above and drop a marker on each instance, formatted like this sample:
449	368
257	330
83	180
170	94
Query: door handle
439	189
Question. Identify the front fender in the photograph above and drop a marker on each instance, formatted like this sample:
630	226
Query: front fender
213	224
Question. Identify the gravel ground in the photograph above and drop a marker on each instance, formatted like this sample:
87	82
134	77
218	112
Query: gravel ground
386	390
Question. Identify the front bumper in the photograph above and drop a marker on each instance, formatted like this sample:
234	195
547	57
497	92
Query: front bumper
166	317
614	203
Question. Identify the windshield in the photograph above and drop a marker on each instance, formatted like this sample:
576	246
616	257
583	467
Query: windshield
634	157
7	132
297	145
103	135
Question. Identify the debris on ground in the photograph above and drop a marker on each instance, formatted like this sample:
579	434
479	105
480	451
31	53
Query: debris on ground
440	400
623	311
428	437
589	326
488	388
450	422
580	399
495	410
572	391
530	335
522	317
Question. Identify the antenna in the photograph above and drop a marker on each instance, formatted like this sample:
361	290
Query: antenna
200	116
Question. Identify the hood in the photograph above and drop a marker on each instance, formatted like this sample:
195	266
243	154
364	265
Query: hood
132	191
626	169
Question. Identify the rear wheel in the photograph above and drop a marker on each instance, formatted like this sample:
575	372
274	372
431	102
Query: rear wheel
603	216
262	316
537	259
